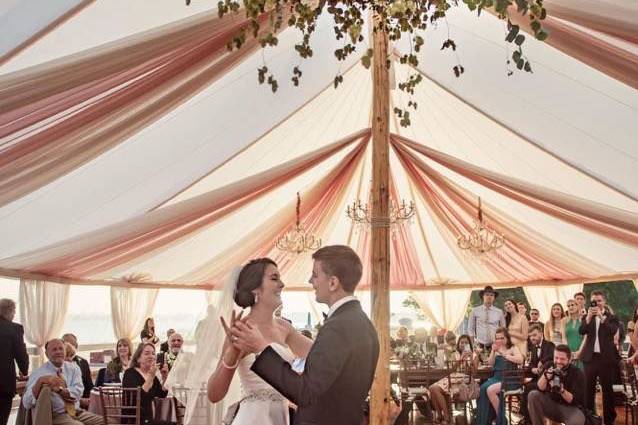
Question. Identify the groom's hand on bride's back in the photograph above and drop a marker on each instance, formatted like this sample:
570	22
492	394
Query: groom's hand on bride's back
247	338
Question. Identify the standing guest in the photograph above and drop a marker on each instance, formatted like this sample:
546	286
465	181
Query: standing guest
517	325
116	367
485	319
12	351
632	331
148	333
87	381
522	308
164	345
61	382
599	354
440	391
580	300
571	327
553	327
541	351
142	373
558	401
534	318
503	356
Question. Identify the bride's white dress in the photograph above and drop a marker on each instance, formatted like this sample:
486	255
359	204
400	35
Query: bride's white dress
261	404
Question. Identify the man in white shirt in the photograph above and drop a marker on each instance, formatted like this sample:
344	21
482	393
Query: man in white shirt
60	382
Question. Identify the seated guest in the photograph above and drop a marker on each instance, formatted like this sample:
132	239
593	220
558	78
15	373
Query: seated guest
404	348
541	351
503	356
164	345
560	393
441	390
141	373
148	333
87	381
175	342
117	366
61	383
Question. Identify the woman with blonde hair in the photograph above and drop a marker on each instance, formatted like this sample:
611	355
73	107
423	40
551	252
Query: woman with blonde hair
571	326
553	327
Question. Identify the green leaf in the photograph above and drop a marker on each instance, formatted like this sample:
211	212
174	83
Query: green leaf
535	25
542	35
512	33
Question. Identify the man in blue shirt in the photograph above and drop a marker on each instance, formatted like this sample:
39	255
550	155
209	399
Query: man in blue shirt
63	381
485	319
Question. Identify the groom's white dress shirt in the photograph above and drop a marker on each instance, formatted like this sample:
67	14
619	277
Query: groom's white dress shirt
339	303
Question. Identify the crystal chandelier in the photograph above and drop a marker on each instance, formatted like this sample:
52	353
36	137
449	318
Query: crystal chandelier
360	213
482	240
297	240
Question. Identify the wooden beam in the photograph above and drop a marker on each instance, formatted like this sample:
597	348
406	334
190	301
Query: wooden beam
380	237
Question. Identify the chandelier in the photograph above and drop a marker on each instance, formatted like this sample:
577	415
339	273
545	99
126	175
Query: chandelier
482	240
360	213
297	240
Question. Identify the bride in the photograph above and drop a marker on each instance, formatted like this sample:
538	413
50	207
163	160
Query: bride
259	287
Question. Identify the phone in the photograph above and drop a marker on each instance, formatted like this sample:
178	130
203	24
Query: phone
593	304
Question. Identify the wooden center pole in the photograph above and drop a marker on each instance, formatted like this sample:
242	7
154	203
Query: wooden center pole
380	392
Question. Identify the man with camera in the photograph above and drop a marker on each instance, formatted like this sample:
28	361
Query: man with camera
599	353
560	392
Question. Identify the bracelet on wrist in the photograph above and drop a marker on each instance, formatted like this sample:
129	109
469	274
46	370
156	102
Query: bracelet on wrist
231	367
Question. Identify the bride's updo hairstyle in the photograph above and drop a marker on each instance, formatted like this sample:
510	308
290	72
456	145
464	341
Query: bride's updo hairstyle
250	278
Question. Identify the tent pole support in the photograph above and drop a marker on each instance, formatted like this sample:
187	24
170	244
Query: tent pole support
380	231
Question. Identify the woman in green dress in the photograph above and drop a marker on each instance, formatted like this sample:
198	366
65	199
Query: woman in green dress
571	324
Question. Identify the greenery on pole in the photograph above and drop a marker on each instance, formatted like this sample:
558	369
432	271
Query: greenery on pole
398	18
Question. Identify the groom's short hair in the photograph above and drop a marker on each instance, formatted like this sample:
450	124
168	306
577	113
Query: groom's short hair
341	261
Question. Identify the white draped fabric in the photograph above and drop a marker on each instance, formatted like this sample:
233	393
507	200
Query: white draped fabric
542	297
43	308
129	309
445	308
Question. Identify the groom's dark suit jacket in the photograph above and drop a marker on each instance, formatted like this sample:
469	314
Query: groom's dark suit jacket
338	373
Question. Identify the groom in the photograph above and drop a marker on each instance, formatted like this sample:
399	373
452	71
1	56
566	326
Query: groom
341	363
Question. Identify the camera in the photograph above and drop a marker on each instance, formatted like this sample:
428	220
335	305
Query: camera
554	377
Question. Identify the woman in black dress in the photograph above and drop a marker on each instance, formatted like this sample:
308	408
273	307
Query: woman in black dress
142	373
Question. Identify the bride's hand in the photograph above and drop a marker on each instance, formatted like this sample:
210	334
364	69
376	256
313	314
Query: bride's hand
233	319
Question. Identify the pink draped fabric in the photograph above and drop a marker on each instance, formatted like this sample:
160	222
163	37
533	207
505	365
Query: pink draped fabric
595	52
123	242
55	128
606	221
405	270
526	256
614	19
320	205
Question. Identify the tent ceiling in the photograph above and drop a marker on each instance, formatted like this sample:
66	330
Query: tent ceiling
566	127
